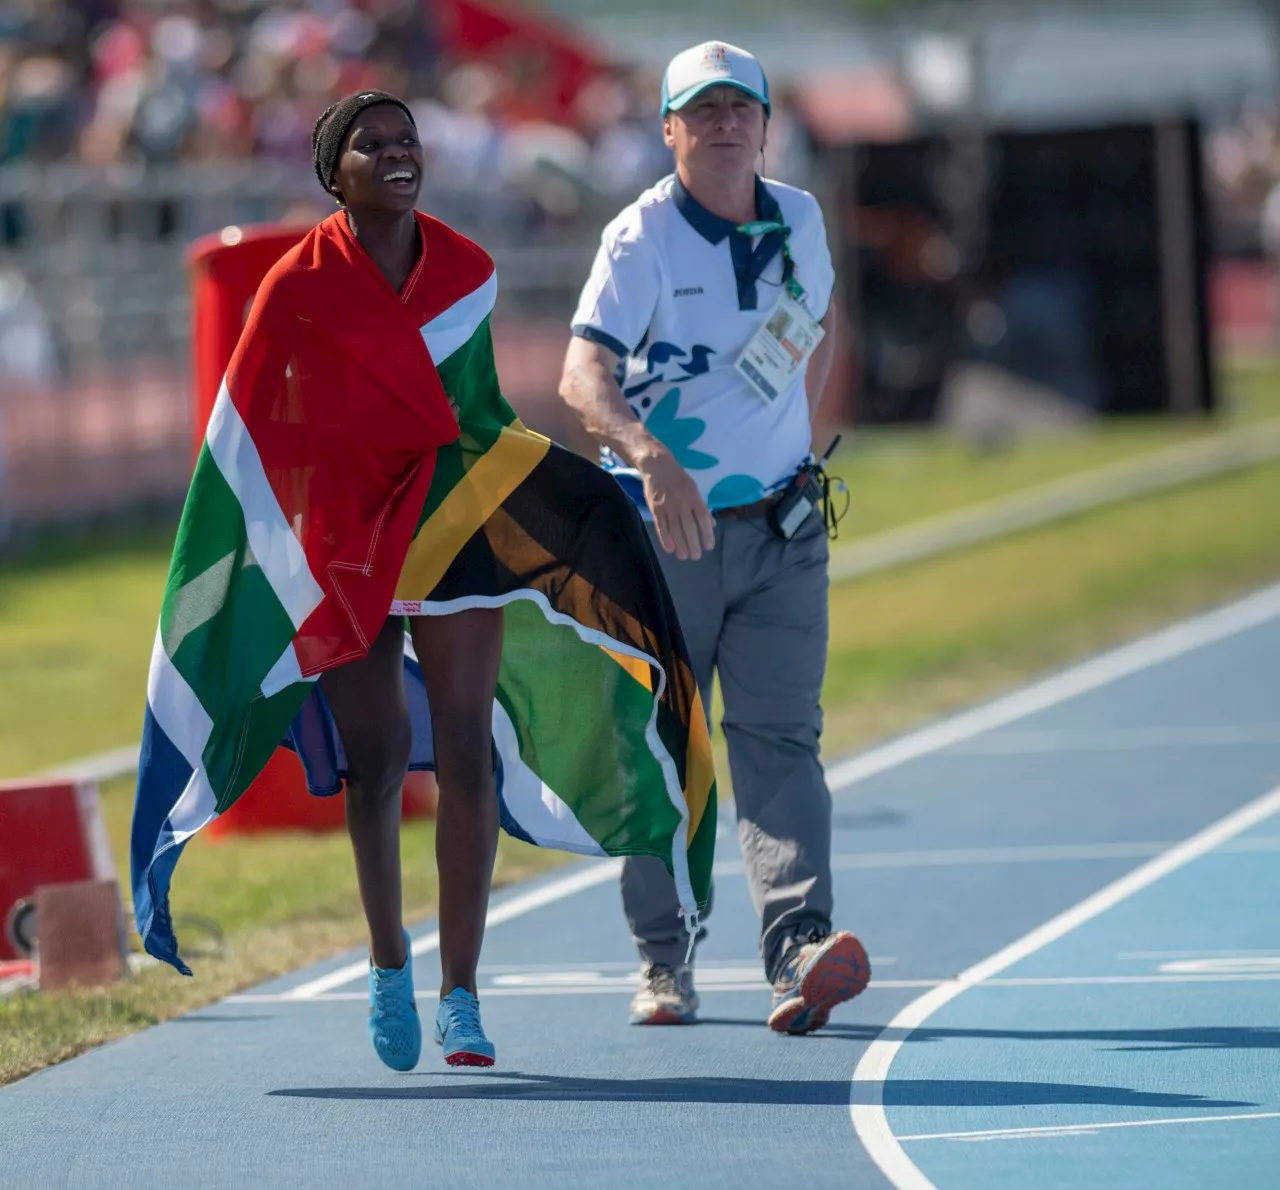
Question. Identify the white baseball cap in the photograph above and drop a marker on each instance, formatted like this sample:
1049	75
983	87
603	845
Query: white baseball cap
712	64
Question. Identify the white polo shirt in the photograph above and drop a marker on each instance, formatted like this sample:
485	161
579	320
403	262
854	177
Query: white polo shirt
677	292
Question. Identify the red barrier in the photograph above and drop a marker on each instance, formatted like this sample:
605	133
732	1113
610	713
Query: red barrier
81	935
226	270
278	801
53	834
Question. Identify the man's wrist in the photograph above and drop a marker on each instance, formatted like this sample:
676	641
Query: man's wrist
642	450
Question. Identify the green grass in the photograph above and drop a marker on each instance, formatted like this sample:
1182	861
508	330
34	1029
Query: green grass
77	619
237	881
942	634
899	475
923	640
245	909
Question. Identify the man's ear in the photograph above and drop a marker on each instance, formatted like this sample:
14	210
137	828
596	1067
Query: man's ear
668	137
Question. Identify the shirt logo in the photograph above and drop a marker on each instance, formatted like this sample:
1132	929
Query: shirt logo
691	291
696	361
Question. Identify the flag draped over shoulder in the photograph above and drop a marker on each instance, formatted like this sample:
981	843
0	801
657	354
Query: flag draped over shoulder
361	461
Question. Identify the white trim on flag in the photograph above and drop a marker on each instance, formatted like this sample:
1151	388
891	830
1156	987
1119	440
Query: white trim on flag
541	813
446	332
271	538
284	673
177	710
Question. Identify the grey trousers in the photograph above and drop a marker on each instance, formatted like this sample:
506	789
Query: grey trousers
755	610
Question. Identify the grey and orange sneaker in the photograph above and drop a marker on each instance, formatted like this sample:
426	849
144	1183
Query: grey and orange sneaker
665	996
815	977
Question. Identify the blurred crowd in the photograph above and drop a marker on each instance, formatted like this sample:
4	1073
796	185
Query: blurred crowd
236	83
166	81
1242	175
100	80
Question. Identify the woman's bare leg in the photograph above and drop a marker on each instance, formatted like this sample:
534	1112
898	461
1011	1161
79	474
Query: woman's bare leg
367	700
460	655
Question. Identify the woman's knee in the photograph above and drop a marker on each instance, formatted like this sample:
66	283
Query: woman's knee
376	774
467	772
460	655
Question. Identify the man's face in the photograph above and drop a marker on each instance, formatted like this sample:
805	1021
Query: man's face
721	131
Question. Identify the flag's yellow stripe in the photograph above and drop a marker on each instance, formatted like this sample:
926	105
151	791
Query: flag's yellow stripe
462	513
699	768
700	771
577	598
638	669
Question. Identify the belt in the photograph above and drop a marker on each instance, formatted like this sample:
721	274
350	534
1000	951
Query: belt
755	509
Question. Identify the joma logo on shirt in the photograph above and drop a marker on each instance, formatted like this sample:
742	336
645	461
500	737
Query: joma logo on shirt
692	291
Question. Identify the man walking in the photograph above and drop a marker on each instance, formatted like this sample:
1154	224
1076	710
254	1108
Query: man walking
700	348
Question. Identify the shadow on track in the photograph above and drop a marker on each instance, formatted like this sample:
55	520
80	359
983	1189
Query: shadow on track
511	1085
1119	1040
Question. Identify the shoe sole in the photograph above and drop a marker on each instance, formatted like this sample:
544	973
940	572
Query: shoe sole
466	1058
664	1017
835	975
400	1060
401	1063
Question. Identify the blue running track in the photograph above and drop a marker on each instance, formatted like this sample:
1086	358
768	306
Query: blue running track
1131	1042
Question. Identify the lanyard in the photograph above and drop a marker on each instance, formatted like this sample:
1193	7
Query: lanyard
762	227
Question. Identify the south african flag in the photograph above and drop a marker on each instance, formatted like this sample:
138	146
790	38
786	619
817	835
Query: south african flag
334	488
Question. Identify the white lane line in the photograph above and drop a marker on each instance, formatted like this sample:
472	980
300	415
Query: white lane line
594	988
1162	646
1085	1129
512	907
1066	981
1130	659
613	985
1120	739
632	966
1257	965
1194	954
869	1119
1033	853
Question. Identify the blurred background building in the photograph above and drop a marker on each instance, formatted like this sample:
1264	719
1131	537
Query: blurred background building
1045	191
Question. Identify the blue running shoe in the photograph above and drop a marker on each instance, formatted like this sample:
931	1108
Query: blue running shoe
393	1014
459	1031
815	978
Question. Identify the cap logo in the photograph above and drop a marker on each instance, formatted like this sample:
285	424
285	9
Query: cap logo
715	59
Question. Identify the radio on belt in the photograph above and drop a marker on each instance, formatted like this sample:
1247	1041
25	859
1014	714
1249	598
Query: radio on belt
800	497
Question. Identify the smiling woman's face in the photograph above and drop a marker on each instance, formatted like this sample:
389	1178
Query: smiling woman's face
722	130
381	163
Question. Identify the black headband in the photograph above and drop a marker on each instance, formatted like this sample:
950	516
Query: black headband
330	132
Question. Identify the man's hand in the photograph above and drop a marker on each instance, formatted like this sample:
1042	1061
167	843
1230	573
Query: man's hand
685	525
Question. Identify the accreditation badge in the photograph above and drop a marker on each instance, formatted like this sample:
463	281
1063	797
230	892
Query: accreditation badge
780	348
